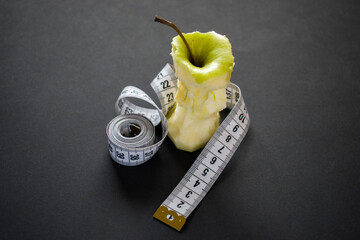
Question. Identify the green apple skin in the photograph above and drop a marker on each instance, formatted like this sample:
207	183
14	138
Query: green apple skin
212	52
201	91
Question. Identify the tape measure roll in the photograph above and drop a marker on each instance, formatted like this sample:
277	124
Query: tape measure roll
131	135
209	164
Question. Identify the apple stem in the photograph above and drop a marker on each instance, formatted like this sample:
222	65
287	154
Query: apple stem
170	24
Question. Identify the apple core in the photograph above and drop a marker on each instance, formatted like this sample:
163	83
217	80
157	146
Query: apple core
201	91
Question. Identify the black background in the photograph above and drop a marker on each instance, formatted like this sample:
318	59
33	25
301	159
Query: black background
63	64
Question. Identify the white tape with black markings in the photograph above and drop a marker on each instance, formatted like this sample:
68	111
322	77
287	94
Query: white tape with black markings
128	149
209	164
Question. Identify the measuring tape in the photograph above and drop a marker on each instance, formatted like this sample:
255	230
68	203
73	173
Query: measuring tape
124	147
209	164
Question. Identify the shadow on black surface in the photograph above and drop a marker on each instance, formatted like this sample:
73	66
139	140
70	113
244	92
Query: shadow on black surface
227	173
166	167
138	181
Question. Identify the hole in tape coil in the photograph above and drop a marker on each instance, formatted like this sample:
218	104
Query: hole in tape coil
130	131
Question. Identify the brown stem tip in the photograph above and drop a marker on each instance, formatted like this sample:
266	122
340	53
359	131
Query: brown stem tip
170	24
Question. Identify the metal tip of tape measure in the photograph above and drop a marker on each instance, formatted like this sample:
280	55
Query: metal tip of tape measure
170	217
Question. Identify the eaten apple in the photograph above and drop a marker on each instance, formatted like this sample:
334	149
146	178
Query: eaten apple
203	64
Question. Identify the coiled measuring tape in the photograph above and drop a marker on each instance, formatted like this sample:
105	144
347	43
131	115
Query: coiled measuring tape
209	164
124	147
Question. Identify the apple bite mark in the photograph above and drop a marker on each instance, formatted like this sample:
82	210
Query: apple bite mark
203	74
